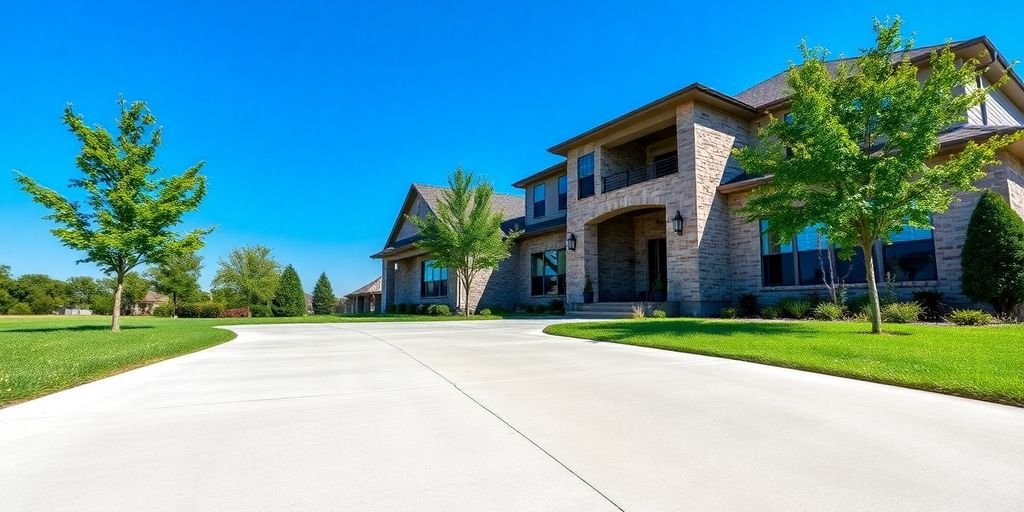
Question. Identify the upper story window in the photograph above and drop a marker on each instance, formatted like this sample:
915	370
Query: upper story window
585	175
433	280
539	196
547	273
563	192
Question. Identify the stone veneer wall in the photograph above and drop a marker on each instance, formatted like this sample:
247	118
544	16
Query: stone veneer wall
520	293
406	282
1007	179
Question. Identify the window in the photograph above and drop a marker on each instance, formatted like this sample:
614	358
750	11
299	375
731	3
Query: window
808	258
538	200
563	192
433	280
585	175
547	273
911	256
776	259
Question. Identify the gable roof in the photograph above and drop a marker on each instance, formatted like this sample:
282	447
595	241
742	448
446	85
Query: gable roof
508	205
371	287
775	91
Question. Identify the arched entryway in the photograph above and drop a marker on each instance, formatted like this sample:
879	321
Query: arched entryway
631	255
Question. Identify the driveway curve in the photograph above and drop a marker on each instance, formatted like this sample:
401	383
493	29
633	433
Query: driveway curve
495	415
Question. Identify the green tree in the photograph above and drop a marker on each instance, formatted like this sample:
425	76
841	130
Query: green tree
993	255
324	300
128	216
856	155
80	291
464	234
289	300
249	272
6	281
42	293
178	278
133	291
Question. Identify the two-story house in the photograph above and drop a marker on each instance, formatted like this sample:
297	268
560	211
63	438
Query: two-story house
645	207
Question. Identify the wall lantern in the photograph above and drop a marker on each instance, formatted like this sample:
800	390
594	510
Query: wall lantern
677	223
570	243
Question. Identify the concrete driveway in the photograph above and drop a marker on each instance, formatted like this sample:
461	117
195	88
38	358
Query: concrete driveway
481	416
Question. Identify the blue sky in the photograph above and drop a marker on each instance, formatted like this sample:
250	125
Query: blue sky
313	119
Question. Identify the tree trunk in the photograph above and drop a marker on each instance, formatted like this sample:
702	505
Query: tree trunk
465	306
874	310
115	322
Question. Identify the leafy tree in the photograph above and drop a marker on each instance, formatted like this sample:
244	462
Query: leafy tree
6	281
249	272
464	235
856	156
80	291
128	215
993	255
230	298
178	278
323	296
42	293
289	300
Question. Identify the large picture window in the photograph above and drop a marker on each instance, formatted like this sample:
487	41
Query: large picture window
808	258
585	175
547	273
433	280
911	256
539	200
563	192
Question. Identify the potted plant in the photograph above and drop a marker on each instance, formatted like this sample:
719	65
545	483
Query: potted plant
658	294
588	291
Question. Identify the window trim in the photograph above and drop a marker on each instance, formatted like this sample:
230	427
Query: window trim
539	205
563	192
443	280
560	258
588	178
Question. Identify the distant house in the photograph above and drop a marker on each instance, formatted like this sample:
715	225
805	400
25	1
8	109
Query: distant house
365	299
309	303
149	302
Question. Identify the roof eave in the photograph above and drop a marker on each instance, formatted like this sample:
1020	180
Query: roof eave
687	93
558	168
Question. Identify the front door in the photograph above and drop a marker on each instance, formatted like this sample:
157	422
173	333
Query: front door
657	269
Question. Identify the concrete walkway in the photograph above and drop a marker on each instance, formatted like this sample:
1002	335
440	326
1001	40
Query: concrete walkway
482	416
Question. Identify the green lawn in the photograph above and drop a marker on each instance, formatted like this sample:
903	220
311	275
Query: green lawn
44	354
986	363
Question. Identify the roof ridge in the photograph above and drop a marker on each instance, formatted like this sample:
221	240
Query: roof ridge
443	187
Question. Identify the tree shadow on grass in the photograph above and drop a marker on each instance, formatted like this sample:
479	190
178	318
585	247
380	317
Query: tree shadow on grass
75	328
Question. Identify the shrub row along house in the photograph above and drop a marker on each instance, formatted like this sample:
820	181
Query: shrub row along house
645	208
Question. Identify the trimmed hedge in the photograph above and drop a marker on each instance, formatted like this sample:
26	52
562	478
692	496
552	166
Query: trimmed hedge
208	309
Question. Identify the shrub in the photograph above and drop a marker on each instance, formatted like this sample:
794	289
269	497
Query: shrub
770	312
188	310
420	309
901	312
402	308
727	312
639	312
20	308
541	309
439	310
484	312
829	311
392	309
236	313
859	305
164	310
260	311
969	317
659	313
993	255
748	304
207	309
557	306
794	308
931	304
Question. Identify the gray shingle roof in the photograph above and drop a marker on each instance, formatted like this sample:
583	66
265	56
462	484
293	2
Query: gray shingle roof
776	89
371	287
510	206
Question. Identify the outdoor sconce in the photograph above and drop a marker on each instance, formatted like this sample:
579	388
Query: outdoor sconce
570	243
677	223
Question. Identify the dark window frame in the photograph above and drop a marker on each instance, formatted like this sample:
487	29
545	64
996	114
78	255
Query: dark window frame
585	176
539	205
437	284
550	281
563	192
